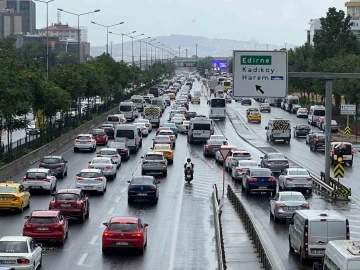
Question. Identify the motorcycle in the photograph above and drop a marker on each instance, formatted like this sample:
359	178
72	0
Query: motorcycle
188	176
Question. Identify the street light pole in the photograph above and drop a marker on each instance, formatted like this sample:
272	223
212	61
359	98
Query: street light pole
196	45
107	32
179	50
132	50
111	43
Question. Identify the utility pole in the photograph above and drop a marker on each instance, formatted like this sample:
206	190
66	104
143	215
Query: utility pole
196	45
186	50
267	47
111	43
179	50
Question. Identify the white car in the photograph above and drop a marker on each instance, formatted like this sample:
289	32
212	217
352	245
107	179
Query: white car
105	164
91	179
122	118
179	115
235	155
218	157
238	171
295	178
183	110
20	253
40	179
110	153
143	128
84	142
172	113
146	122
184	127
302	112
177	121
218	137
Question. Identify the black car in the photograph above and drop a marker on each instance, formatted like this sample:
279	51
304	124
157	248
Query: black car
211	147
301	130
122	149
189	115
143	188
277	102
109	130
246	101
317	141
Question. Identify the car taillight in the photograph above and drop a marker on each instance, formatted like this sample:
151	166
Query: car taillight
24	179
99	155
27	226
309	179
77	140
280	205
47	179
306	205
288	179
153	188
207	146
57	226
168	142
23	261
51	205
352	151
114	156
131	187
41	165
99	179
79	204
89	141
79	178
239	170
123	150
137	235
59	165
252	179
16	198
107	234
109	167
272	179
90	167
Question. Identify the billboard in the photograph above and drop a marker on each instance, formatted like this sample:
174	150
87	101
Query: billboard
219	65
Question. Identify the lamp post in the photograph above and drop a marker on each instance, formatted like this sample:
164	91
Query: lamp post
132	47
146	52
78	15
111	43
140	40
47	33
122	42
179	50
196	45
107	32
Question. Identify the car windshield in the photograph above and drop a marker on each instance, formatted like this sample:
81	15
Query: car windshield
276	156
262	173
333	122
101	161
303	127
126	108
298	172
162	139
83	137
186	122
162	147
215	142
120	227
36	175
5	189
291	198
166	133
98	132
113	118
89	174
123	133
153	157
43	220
177	119
218	137
142	181
241	154
169	125
49	160
108	152
66	197
302	110
13	247
117	145
255	113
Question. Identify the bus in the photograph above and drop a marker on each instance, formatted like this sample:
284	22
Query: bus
217	108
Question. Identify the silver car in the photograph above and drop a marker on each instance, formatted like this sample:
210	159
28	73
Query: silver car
295	178
276	162
146	122
154	162
84	142
177	121
39	179
184	127
218	157
91	179
284	204
105	164
240	168
110	153
265	107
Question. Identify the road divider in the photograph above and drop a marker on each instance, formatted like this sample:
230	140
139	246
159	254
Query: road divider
218	230
266	251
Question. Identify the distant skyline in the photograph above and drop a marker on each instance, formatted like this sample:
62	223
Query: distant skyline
272	22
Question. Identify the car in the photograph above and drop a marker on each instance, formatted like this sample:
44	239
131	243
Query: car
311	134
143	188
184	127
172	113
295	178
177	121
20	252
178	115
14	196
100	136
57	164
320	121
228	99
121	148
285	203
136	112
154	162
161	129
146	122
295	108
189	115
302	113
251	110
31	129
234	156
171	134
122	117
46	225
109	130
163	139
218	157
246	101
301	130
143	128
334	126
241	166
218	137
173	127
110	153
39	179
84	142
276	162
258	179
317	142
72	203
91	180
124	233
254	116
211	147
166	150
172	96
106	165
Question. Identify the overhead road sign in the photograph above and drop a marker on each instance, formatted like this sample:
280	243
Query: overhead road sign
348	109
347	130
339	171
190	64
224	152
260	74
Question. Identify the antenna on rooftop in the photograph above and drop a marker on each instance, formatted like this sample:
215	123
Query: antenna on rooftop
58	16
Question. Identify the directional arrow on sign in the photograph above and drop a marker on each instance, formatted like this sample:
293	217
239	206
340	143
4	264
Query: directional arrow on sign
258	88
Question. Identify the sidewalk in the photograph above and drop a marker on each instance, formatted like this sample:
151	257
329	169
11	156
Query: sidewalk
239	251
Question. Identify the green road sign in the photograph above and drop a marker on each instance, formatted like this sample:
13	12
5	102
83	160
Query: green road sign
190	64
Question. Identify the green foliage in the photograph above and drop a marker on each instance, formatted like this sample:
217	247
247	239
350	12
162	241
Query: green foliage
64	58
230	66
204	64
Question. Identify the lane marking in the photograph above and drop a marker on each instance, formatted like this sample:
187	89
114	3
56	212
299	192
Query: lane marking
93	240
117	199
111	210
124	189
82	259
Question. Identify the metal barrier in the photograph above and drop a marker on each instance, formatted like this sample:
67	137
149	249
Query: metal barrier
266	251
218	229
340	191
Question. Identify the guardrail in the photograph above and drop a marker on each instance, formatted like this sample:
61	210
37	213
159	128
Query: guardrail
218	229
266	251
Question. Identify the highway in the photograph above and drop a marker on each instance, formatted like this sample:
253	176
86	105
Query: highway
180	234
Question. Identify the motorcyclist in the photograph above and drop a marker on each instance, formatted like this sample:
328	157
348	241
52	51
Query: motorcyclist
189	165
189	96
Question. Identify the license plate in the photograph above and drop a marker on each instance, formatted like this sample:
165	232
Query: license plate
318	251
299	185
122	243
35	187
142	194
3	199
7	262
65	205
42	229
89	187
83	142
292	208
262	187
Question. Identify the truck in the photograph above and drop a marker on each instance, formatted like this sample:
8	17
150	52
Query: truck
153	114
154	91
138	101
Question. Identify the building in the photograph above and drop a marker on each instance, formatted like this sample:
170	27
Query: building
28	8
2	5
60	30
315	25
84	34
11	23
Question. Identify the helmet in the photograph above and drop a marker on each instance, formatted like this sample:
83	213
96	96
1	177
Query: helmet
188	160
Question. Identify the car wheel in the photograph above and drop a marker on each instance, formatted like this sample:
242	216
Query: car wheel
143	172
130	201
165	173
21	209
65	174
75	150
291	249
83	217
87	212
156	200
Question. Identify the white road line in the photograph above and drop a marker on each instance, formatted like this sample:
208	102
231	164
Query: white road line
352	226
111	210
124	189
93	240
82	259
117	199
358	233
352	220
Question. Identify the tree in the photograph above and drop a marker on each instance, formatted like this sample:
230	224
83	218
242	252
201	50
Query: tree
204	64
64	58
230	66
334	36
32	53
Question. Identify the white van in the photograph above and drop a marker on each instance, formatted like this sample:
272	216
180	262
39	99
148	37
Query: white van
217	108
159	102
340	254
200	130
129	134
314	113
311	230
293	100
138	101
113	119
278	129
127	109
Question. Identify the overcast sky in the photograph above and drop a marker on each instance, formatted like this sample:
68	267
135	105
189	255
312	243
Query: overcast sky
273	22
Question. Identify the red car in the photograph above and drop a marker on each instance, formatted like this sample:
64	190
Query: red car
72	203
161	129
100	136
46	225
124	232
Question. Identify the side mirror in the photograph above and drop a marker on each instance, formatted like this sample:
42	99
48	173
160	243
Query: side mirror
66	161
26	217
115	162
259	165
158	182
266	128
89	162
87	195
141	157
261	157
316	266
39	245
145	224
151	148
128	181
291	222
105	223
153	139
78	174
